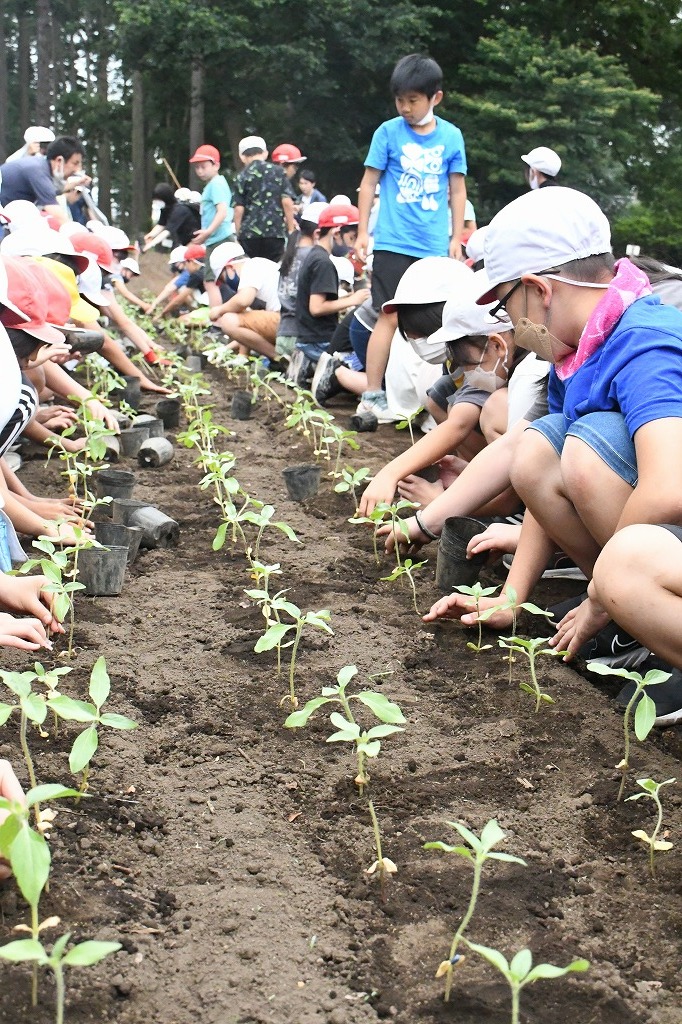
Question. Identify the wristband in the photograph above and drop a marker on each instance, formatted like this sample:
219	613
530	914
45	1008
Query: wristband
151	357
424	529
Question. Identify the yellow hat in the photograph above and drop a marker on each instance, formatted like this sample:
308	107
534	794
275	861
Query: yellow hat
81	311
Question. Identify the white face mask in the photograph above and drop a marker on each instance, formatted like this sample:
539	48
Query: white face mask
427	118
426	350
487	380
533	180
157	206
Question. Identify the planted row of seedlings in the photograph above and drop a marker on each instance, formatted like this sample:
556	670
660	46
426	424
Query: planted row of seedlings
285	624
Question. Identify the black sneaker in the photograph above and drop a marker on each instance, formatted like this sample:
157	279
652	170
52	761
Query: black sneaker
611	646
325	385
666	696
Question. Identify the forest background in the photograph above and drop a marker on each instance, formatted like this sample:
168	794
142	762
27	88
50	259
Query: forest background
600	81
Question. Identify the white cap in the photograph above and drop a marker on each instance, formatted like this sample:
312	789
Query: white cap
37	133
223	254
474	244
433	279
90	284
23	214
252	142
41	242
544	160
182	194
312	212
541	230
463	317
130	264
344	268
195	197
115	237
340	200
177	254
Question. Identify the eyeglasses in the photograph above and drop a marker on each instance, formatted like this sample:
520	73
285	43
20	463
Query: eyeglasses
502	304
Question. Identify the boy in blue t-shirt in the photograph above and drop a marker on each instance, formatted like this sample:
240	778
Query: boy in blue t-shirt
216	213
420	163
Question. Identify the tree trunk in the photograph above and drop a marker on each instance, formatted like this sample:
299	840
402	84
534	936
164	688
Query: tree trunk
43	63
234	130
3	85
25	76
104	137
196	115
138	203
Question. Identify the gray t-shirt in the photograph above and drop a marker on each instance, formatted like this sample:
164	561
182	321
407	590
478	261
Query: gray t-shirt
30	179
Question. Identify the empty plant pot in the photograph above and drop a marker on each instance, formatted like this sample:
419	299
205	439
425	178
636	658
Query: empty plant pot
157	451
453	568
132	438
101	570
302	481
194	364
153	422
241	405
119	536
123	508
131	392
114	483
113	449
158	529
364	422
168	410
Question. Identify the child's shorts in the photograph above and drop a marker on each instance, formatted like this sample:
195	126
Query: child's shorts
387	269
262	321
604	432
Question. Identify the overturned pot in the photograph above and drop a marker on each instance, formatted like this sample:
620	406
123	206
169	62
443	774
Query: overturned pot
157	451
123	508
158	529
101	570
302	482
154	424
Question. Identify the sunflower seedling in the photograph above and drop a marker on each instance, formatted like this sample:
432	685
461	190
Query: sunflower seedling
87	741
531	649
406	569
651	790
276	632
520	972
350	479
406	424
645	711
478	851
476	592
513	605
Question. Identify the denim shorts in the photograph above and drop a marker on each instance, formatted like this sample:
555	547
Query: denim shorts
604	432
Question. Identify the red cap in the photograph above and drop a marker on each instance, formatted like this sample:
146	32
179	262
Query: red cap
56	296
338	216
195	252
29	292
94	245
206	153
287	154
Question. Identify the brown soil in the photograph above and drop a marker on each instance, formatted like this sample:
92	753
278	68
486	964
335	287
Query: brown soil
227	854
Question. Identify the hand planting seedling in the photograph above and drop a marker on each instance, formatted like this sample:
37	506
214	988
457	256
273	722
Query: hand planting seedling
70	710
276	632
520	972
55	566
477	852
85	954
367	742
382	511
645	713
651	790
477	592
406	569
512	604
350	479
531	649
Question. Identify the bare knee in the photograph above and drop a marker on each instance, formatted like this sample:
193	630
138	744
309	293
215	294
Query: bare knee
534	465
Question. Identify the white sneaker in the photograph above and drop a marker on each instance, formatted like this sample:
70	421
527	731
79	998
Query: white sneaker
375	402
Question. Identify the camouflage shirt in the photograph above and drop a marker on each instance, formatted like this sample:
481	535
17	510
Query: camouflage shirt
259	189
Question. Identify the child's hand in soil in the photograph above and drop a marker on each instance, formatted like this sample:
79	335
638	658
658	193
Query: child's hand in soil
26	634
463	607
380	489
10	789
501	538
416	540
26	594
415	488
578	626
100	412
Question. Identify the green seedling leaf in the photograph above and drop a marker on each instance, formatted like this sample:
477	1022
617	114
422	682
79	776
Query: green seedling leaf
83	748
34	707
521	964
115	721
645	716
85	954
297	719
473	841
547	971
346	674
272	637
342	736
493	956
381	731
18	682
5	711
371	748
341	723
491	835
9	830
219	539
100	684
50	791
508	858
23	950
73	710
29	857
384	709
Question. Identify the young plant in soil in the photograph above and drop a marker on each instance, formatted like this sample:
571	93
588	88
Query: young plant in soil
531	649
32	708
262	519
55	566
28	852
341	437
350	479
645	712
276	631
477	592
85	954
652	790
406	424
70	710
367	742
478	851
520	972
512	604
379	514
50	678
406	569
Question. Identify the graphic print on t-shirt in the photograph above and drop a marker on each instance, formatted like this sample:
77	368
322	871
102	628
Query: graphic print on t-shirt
419	181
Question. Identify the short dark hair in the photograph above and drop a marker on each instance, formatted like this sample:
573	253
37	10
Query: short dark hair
422	319
65	146
588	268
308	175
164	192
417	73
252	151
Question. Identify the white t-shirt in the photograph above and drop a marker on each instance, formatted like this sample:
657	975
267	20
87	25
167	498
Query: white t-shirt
10	378
524	387
263	275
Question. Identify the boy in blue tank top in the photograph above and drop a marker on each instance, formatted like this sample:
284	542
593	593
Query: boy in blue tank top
420	163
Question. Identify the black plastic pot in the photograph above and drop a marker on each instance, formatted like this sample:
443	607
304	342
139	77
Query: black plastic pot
131	393
123	508
364	422
453	568
113	446
119	536
157	451
302	481
114	483
132	438
102	570
154	424
168	410
194	363
158	529
241	405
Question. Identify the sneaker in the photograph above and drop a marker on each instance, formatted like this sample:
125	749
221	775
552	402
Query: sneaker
559	567
666	696
375	402
213	332
325	385
300	368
